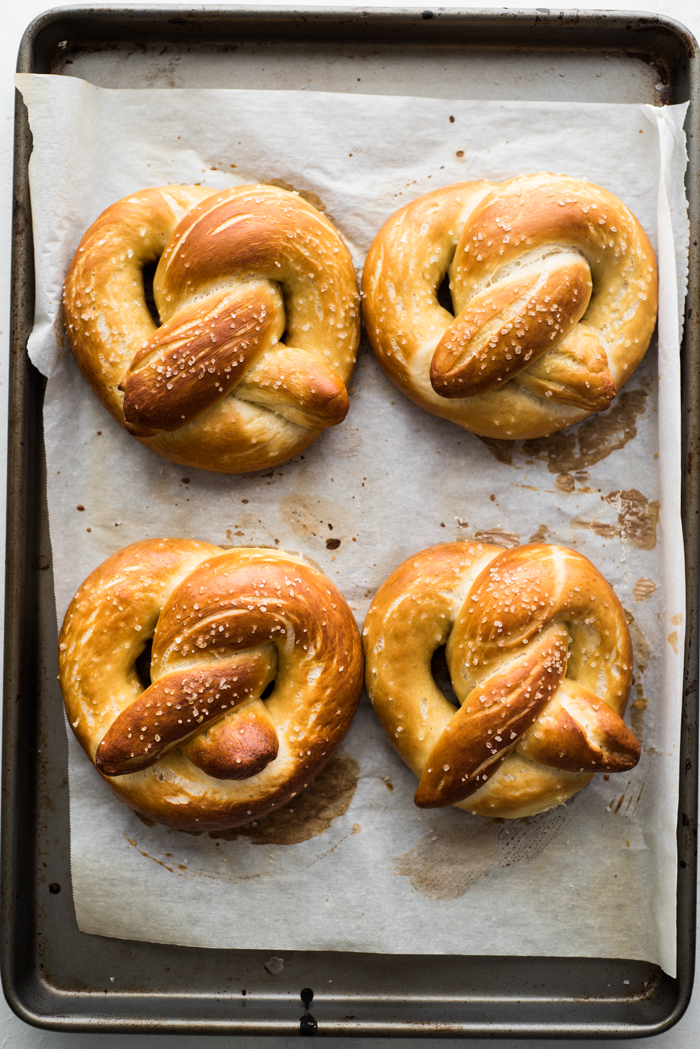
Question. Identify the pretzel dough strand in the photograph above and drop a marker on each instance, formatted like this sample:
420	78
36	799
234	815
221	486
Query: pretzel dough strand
401	278
488	726
194	361
581	732
266	232
109	622
175	708
525	736
198	749
496	336
411	616
105	312
237	748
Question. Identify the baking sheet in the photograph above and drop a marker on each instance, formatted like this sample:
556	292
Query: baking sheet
390	480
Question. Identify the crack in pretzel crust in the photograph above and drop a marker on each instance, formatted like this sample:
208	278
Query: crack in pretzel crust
554	289
239	270
540	659
199	749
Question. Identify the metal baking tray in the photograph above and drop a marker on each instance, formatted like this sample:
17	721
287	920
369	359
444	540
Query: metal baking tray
53	975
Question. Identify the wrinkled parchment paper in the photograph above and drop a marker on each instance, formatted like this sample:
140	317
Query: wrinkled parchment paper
596	877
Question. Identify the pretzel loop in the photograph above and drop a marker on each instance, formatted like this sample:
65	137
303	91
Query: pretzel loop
554	289
540	660
224	626
258	305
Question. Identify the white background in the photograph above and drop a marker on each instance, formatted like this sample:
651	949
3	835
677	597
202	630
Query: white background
14	17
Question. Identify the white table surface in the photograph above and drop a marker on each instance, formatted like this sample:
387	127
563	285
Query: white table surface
15	15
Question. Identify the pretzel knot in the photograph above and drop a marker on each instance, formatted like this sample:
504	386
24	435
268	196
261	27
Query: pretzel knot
540	660
258	304
554	288
199	747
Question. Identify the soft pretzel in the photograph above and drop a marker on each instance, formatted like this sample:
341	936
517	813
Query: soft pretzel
540	659
554	289
199	748
258	304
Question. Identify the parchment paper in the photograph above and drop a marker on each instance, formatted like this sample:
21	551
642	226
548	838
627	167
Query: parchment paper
595	877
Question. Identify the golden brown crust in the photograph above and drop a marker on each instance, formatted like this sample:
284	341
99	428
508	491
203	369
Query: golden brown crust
239	747
540	659
554	287
198	749
214	386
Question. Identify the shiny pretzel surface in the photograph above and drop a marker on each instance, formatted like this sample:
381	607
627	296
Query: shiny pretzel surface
540	660
198	748
259	310
554	290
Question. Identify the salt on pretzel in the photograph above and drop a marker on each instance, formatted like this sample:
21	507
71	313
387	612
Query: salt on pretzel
258	303
199	748
554	289
540	659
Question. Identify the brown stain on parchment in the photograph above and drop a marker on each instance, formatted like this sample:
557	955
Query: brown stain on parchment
498	536
636	716
540	536
501	450
309	516
583	445
347	441
446	862
592	440
644	589
310	813
637	519
60	333
565	482
147	855
606	531
642	655
305	194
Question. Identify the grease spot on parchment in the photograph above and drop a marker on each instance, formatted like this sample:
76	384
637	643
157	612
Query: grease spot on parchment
636	714
642	654
60	332
310	515
501	450
344	441
637	519
583	445
309	814
606	531
540	536
499	536
644	589
447	861
147	855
